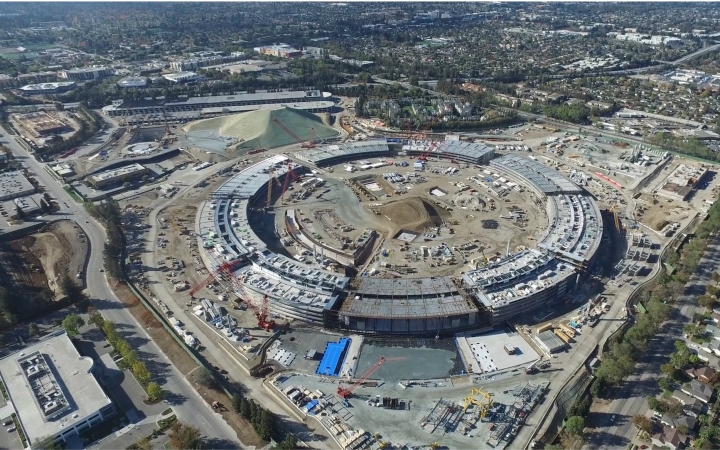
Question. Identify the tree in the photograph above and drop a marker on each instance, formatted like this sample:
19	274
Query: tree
126	185
46	443
265	424
237	400
72	323
143	444
575	425
141	373
185	437
123	347
668	369
205	378
706	301
642	423
154	391
289	443
130	359
653	403
71	289
95	318
693	330
33	329
682	429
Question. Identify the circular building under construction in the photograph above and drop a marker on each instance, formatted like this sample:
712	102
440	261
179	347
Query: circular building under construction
400	248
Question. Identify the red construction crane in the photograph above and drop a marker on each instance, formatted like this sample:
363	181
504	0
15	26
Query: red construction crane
225	267
261	313
345	392
290	174
309	144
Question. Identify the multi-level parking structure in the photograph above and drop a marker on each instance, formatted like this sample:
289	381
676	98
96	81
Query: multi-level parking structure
516	284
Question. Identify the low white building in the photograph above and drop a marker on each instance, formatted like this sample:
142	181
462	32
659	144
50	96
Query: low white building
183	77
53	391
133	82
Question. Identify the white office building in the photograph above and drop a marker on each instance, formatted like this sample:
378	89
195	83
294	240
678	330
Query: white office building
53	390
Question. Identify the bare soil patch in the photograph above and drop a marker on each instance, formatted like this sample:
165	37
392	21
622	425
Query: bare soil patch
414	213
61	249
244	429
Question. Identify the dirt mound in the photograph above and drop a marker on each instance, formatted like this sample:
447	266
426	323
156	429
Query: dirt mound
415	214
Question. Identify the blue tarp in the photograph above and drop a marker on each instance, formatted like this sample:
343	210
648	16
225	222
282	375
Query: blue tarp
311	405
333	357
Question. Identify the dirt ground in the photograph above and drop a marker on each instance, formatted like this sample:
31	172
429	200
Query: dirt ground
183	362
42	258
413	213
65	117
21	264
244	429
61	249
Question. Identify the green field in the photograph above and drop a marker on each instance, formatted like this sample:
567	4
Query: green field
72	193
30	53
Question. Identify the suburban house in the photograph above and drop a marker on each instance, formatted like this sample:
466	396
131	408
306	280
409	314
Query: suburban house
695	408
683	398
683	421
706	374
670	438
700	391
713	331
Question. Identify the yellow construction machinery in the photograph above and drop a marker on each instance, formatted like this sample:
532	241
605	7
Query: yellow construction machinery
480	399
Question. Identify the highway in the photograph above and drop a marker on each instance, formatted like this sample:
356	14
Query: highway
190	407
630	398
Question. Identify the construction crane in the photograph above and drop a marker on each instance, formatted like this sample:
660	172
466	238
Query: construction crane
483	405
345	392
309	144
289	176
273	179
482	252
261	312
618	225
220	271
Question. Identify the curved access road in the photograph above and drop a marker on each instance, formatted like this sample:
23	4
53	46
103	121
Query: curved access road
190	407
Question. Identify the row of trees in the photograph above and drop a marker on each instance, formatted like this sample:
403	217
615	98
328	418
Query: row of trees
263	421
129	357
620	361
686	146
108	213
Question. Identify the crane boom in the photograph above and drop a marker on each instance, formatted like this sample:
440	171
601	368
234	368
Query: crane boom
346	392
225	267
309	144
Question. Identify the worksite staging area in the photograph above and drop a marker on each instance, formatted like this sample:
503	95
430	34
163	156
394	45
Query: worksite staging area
416	416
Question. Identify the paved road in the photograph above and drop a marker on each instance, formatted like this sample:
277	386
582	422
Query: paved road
630	398
191	408
315	437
